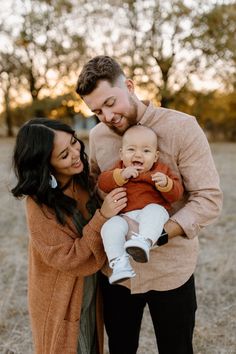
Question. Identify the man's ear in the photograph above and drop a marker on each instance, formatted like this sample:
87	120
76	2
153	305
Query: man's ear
130	85
157	155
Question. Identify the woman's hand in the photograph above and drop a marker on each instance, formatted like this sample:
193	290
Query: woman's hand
114	202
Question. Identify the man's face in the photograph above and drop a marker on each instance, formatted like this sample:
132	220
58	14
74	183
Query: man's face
114	105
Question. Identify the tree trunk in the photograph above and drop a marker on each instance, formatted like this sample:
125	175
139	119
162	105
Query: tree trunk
8	117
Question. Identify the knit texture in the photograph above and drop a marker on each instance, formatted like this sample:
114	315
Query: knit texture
142	190
59	259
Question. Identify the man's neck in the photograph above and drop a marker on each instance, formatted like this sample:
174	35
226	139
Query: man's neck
142	106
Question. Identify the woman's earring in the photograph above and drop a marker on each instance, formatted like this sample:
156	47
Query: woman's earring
53	182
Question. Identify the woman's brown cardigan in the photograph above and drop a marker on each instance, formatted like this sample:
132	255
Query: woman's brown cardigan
58	262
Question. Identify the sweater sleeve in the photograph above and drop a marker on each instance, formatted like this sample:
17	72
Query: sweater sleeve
176	191
60	247
109	180
175	188
106	182
200	180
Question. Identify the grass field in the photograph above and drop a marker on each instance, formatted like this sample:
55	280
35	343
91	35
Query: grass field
215	331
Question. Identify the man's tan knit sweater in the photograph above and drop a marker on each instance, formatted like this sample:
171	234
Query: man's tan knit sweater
184	148
59	259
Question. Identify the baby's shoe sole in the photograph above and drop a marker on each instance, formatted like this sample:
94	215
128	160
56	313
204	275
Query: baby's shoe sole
137	253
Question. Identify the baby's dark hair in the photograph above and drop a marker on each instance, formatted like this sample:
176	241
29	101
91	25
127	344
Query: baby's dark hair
99	68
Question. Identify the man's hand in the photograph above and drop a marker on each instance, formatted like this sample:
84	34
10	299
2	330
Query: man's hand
173	229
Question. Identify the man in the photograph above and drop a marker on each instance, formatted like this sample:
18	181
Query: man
166	282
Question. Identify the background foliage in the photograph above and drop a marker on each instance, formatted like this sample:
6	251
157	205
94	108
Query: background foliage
181	55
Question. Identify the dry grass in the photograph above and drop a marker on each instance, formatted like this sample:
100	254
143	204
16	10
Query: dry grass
215	275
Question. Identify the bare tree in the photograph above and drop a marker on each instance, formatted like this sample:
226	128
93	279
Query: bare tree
157	40
9	68
214	34
43	45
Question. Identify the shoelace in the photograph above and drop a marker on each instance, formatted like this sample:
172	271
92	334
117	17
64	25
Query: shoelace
118	259
135	235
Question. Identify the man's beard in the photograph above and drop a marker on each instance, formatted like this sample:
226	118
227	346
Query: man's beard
131	118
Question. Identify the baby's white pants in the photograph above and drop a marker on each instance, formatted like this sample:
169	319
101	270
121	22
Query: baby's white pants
151	220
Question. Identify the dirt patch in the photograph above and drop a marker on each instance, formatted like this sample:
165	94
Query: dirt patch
215	331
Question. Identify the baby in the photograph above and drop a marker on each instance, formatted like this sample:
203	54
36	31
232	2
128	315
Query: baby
151	188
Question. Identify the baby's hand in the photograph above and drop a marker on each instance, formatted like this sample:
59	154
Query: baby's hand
129	172
160	179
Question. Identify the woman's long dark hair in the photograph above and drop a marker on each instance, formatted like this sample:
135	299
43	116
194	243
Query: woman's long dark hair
31	163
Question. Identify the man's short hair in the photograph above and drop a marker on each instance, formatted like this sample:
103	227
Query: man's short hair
99	68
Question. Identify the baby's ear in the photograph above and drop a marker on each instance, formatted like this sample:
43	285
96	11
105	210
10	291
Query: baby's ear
157	155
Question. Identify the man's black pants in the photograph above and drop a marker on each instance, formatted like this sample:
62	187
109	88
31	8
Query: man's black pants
172	313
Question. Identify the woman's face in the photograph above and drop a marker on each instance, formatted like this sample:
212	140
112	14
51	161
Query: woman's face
65	158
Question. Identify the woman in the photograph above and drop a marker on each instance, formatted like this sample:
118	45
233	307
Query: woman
65	247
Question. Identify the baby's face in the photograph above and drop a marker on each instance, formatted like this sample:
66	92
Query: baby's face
139	150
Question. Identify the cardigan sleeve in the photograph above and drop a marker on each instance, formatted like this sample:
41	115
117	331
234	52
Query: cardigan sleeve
60	247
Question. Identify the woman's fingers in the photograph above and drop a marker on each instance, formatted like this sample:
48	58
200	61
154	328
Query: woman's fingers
114	202
118	192
119	198
120	203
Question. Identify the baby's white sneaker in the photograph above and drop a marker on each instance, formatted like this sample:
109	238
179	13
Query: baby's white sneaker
121	269
138	248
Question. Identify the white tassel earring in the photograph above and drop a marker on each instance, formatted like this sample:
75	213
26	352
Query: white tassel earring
53	182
